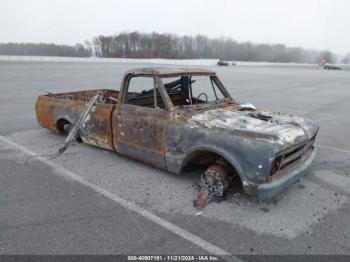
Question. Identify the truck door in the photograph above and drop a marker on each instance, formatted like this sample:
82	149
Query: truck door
140	121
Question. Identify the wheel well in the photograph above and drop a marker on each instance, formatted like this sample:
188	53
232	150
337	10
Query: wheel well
60	125
207	158
64	126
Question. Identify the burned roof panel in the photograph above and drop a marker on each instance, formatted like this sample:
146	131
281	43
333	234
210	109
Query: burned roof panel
167	71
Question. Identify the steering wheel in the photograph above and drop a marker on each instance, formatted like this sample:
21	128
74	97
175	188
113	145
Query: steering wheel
206	97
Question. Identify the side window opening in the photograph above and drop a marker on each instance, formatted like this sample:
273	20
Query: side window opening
141	93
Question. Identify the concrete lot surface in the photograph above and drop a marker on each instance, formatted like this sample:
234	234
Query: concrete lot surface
91	201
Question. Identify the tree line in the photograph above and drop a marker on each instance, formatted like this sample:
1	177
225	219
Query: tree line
43	49
156	45
171	46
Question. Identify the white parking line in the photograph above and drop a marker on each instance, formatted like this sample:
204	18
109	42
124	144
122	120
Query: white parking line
131	206
333	148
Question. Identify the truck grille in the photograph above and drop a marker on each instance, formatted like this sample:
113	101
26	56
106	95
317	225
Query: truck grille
287	159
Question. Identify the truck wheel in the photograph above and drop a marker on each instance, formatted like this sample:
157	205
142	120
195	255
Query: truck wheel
214	182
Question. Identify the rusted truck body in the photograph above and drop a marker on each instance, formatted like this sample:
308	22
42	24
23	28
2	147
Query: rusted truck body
177	122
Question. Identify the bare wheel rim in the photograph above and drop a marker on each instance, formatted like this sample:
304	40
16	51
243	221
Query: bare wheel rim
215	180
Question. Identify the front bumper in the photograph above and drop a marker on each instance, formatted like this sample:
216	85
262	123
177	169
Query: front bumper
269	190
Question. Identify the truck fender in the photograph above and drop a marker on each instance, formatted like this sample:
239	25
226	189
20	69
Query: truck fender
229	157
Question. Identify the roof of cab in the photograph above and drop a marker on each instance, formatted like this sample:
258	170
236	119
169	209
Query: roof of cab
168	71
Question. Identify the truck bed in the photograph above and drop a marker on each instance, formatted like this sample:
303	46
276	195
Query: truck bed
56	111
111	96
85	96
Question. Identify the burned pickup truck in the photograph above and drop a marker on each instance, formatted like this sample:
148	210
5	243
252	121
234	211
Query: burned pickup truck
172	118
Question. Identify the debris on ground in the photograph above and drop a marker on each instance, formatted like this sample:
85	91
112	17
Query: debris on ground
199	213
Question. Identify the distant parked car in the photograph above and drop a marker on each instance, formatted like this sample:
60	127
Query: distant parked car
332	67
222	63
233	63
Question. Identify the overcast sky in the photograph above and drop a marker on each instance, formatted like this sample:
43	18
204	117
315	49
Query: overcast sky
318	24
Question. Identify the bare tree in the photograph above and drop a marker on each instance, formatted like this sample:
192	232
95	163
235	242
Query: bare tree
162	45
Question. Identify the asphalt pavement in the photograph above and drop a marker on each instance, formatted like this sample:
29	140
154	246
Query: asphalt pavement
91	201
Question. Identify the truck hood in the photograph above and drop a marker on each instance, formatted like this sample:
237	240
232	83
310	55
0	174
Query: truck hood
260	124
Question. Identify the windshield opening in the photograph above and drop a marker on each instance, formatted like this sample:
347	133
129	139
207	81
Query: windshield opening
192	90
